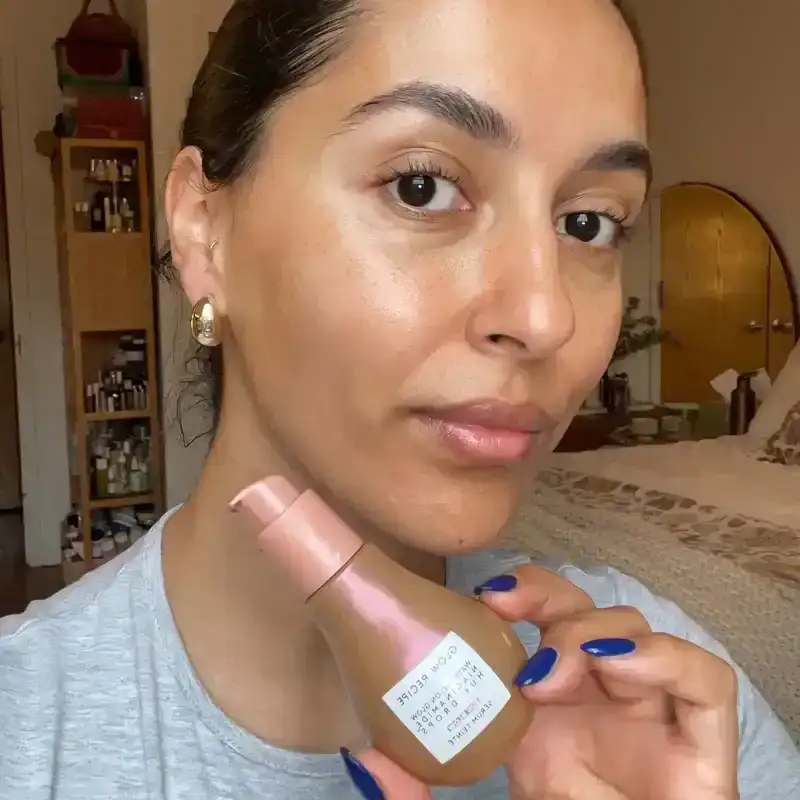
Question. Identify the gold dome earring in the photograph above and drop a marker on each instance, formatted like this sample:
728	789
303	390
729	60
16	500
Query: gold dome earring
203	323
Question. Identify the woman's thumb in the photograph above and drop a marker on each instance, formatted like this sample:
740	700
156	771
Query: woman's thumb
378	778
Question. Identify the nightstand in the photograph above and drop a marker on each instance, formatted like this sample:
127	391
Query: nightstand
590	431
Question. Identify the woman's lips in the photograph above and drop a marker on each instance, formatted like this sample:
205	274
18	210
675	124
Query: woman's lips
490	432
485	445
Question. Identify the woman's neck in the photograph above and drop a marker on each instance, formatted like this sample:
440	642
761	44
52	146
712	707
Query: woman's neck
248	636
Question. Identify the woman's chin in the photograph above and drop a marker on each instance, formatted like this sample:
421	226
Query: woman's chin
459	523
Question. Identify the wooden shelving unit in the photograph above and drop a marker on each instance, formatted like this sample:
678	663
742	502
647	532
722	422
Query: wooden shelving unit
107	299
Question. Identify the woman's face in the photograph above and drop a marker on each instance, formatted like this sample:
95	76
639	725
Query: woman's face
421	276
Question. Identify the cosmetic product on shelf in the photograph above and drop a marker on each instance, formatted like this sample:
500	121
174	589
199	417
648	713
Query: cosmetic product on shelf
127	220
81	217
71	528
120	457
135	349
112	532
98	213
97	170
122	385
111	209
115	224
112	392
112	170
107	219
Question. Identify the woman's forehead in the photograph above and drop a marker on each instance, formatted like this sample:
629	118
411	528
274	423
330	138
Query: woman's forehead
558	76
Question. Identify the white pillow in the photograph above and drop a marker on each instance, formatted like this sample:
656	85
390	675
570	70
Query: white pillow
780	400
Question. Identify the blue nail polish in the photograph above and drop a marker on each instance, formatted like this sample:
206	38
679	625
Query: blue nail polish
362	780
502	583
603	648
538	667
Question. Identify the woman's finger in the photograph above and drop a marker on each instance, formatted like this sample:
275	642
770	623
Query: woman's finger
702	686
644	702
533	594
583	784
569	672
378	778
574	782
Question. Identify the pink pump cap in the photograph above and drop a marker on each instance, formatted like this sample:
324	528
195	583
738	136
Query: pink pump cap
299	531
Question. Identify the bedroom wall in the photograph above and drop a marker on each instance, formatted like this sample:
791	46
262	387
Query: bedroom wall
723	110
177	33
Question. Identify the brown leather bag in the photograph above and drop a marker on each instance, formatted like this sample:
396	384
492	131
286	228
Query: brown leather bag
98	49
108	28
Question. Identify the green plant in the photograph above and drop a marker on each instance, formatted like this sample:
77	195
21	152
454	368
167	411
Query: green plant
637	331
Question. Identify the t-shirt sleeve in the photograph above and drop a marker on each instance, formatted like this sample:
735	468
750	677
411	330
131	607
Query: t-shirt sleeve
769	763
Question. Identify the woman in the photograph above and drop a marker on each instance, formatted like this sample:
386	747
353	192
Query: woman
399	225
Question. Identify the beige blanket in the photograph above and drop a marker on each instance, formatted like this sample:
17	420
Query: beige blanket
722	472
753	612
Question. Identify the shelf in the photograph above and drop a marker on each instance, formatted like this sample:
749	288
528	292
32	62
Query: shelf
76	143
106	290
123	500
113	416
108	181
48	144
104	237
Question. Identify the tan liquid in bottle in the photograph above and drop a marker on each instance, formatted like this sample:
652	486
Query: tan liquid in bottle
430	671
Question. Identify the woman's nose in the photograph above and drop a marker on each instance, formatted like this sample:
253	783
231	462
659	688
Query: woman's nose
526	311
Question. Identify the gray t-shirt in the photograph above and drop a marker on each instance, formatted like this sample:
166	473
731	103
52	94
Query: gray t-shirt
98	699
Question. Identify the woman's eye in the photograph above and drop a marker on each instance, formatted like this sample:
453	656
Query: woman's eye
427	193
590	227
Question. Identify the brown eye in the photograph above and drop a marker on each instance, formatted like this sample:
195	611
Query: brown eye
590	227
427	193
416	190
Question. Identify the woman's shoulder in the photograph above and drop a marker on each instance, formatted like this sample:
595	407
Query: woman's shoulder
80	614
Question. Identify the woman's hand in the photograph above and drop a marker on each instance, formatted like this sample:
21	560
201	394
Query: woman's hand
622	713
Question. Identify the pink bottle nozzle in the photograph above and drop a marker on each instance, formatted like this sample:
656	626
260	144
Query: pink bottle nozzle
299	531
265	501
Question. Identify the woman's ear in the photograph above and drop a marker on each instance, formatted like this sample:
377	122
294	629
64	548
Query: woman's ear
191	221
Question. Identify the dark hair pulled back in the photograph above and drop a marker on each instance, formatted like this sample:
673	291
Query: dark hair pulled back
263	51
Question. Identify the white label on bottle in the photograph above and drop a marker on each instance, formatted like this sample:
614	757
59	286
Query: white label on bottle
449	698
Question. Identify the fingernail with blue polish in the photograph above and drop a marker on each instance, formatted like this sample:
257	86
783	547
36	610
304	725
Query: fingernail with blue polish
538	667
502	583
608	647
363	781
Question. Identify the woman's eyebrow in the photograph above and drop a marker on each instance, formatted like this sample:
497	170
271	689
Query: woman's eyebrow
626	156
476	118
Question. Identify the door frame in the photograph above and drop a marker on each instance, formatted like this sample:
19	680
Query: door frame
44	469
5	275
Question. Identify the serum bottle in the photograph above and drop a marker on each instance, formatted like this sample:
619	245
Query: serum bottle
430	671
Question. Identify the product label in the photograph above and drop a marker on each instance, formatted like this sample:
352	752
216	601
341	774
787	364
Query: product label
449	698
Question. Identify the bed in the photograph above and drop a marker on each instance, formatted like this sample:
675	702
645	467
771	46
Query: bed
713	525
